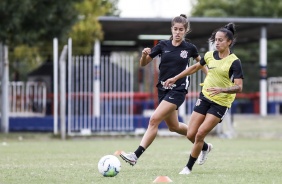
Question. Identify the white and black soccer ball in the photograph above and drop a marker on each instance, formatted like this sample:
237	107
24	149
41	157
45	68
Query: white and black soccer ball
109	166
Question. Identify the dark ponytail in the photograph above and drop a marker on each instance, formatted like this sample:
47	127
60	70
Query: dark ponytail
183	15
229	30
230	27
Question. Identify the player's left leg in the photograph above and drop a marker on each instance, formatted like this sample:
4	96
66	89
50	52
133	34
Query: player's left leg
174	125
196	121
209	123
163	111
215	114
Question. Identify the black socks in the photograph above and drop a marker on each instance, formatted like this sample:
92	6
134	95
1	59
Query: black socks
191	162
139	151
205	146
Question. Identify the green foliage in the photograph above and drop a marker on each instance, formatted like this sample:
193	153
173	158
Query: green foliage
213	8
25	58
35	21
88	29
29	26
238	8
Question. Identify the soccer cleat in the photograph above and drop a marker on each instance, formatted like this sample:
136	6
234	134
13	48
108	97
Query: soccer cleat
129	158
185	170
204	155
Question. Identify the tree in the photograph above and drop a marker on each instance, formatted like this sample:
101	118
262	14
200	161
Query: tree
28	27
88	29
35	21
238	8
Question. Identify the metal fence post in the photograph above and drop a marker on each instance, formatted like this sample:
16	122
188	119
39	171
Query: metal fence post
5	90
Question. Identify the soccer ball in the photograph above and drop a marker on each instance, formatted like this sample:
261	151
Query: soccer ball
109	166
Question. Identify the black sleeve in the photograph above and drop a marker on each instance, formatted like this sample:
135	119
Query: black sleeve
195	51
156	50
236	70
202	61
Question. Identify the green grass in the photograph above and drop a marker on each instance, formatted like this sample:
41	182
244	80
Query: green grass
41	159
253	157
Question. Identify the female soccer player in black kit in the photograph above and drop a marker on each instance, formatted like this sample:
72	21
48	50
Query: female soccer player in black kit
175	56
224	79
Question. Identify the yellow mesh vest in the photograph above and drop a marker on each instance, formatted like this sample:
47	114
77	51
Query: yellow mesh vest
218	76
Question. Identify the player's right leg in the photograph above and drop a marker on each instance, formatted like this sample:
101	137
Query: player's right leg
162	111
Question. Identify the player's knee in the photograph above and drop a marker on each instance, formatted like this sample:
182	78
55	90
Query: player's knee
200	135
153	122
173	128
190	136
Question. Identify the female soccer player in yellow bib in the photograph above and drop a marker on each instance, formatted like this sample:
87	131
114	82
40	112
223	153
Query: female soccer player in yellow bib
223	81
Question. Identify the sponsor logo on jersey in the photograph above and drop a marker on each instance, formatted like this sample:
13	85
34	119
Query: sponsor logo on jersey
184	54
210	67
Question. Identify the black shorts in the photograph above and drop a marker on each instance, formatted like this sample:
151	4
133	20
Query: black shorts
176	97
204	106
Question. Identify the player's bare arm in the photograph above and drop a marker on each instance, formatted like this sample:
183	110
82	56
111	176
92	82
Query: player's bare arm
237	88
190	70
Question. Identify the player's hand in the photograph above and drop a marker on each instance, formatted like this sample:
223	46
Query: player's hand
146	51
169	83
214	91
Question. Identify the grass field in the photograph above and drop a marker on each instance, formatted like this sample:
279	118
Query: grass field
255	156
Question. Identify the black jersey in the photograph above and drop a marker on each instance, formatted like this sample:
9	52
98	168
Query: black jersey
174	59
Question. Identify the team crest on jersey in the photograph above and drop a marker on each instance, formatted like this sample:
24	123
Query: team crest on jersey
184	54
198	102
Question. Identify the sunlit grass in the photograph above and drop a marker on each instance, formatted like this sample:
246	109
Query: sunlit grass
253	157
240	160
